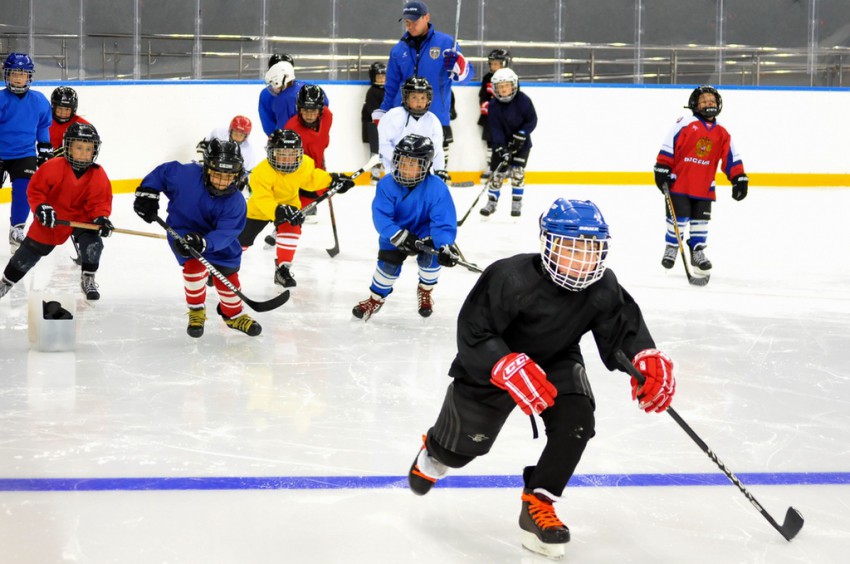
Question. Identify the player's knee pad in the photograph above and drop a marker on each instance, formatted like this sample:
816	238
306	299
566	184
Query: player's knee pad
517	176
391	256
571	418
90	246
26	257
467	426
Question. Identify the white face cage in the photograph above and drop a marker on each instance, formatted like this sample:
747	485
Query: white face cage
409	171
573	263
17	89
285	159
508	97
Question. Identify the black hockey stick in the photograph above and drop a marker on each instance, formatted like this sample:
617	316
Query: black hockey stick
693	280
267	305
793	519
375	159
463	184
335	250
425	248
502	165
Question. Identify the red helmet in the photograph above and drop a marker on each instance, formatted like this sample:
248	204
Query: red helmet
241	124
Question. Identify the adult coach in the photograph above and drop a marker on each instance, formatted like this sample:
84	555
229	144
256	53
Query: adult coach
423	51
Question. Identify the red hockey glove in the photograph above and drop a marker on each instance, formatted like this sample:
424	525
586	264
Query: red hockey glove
657	391
485	108
525	381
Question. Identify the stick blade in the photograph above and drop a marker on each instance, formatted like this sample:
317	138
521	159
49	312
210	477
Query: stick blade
463	184
792	524
268	305
333	252
699	280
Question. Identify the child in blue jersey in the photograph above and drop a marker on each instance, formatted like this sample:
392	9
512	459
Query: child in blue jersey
207	210
411	206
25	119
512	118
278	102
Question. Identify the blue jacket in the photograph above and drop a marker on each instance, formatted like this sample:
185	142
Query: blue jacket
405	61
425	210
23	121
505	119
275	111
192	209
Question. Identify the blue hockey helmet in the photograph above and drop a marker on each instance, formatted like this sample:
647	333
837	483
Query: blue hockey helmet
18	62
574	243
711	111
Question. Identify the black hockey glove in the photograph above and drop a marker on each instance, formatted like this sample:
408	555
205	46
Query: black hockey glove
662	176
739	187
341	183
106	226
44	152
443	175
405	241
146	204
517	142
502	154
190	241
288	214
46	215
448	256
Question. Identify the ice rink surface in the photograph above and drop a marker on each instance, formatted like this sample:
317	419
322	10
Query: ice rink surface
146	446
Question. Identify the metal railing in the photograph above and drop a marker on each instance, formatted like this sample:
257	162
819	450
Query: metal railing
173	56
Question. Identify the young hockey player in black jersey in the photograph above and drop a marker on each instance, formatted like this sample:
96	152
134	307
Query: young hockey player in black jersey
374	97
518	336
512	118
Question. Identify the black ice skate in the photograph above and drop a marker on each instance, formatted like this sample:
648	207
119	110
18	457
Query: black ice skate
543	532
699	260
425	471
243	323
89	286
516	207
669	258
197	317
490	207
426	303
368	307
5	286
283	277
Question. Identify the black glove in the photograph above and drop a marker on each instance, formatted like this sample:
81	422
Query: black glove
341	183
739	187
517	142
242	182
662	176
190	241
106	226
502	154
44	152
443	175
46	215
201	149
405	241
448	255
146	204
288	214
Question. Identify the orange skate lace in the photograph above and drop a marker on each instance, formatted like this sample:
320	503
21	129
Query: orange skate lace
543	513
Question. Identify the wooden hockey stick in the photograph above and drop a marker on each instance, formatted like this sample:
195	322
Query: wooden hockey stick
96	227
375	159
693	280
793	519
432	251
267	305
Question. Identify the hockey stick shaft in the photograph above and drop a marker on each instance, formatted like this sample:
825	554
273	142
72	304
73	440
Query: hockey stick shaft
330	193
334	251
793	519
432	251
499	169
96	227
691	279
267	305
457	24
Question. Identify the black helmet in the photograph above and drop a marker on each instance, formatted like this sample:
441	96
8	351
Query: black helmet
413	147
501	55
63	97
284	140
705	113
278	57
80	132
225	157
374	70
416	84
310	97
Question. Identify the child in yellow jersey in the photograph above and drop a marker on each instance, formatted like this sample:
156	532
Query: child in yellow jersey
275	185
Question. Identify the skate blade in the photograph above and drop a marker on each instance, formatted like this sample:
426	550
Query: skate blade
532	543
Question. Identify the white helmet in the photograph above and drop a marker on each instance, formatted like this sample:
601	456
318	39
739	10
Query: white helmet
280	75
505	75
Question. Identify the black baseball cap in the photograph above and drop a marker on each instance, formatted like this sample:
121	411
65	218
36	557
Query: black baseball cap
413	11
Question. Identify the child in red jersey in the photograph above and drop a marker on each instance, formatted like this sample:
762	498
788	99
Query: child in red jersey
687	164
69	189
